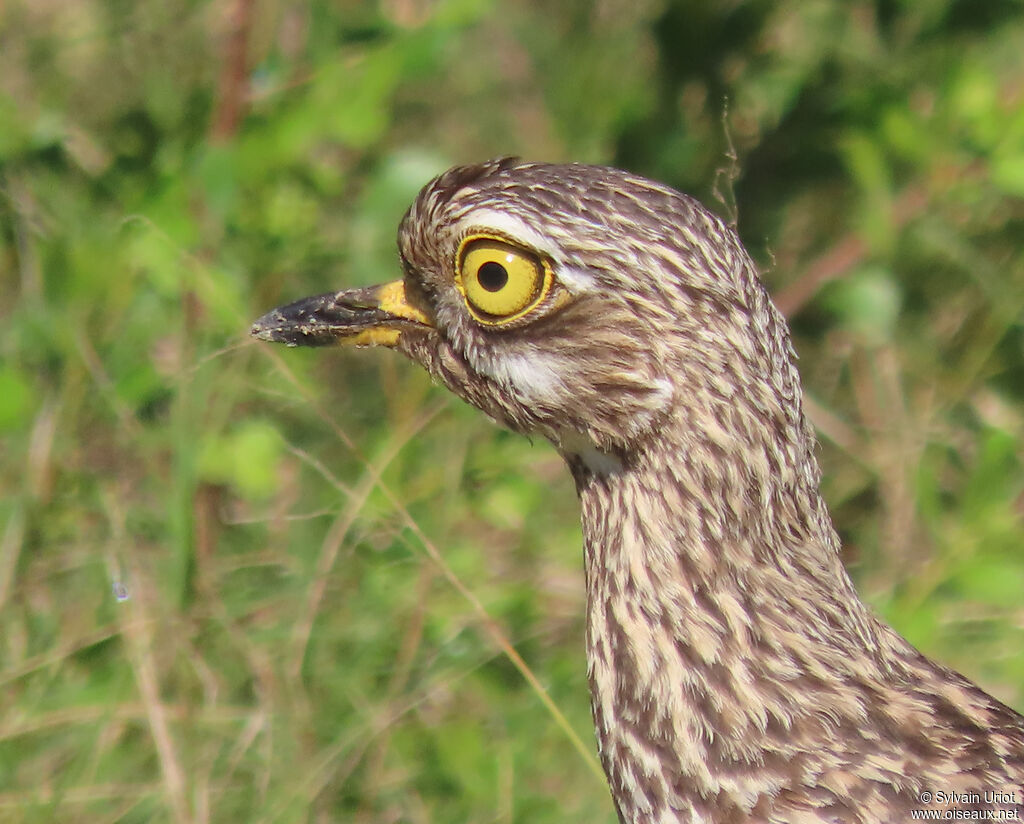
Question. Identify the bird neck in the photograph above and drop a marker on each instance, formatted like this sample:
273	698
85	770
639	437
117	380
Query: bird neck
712	586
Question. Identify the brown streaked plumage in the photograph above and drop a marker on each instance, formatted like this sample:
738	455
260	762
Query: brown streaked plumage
734	673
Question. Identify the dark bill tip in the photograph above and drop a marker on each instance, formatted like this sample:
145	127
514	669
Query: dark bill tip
314	321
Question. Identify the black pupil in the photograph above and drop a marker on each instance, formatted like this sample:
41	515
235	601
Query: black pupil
492	276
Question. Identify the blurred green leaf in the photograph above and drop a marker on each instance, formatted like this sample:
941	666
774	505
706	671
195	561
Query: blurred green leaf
387	195
247	457
1008	172
14	134
867	303
992	580
17	398
996	477
869	169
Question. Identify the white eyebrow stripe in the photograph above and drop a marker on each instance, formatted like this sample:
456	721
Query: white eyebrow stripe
509	225
577	281
573	278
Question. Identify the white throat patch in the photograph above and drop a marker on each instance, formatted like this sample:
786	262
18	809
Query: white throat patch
571	442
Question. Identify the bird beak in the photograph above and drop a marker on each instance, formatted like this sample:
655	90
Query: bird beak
371	316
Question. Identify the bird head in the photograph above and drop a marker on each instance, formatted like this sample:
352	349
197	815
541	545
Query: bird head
577	302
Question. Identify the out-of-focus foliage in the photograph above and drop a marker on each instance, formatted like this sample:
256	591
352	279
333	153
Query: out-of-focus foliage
215	604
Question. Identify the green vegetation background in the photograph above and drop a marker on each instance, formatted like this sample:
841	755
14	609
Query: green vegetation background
217	596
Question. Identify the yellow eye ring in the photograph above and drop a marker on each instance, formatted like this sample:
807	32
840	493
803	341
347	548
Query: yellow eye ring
500	282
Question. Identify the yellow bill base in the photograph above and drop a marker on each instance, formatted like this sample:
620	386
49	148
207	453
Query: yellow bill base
372	337
391	298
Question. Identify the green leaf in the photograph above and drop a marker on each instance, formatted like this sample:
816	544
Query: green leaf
868	303
247	458
998	581
17	399
1008	172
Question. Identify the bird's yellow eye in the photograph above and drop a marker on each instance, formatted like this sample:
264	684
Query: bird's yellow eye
500	281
